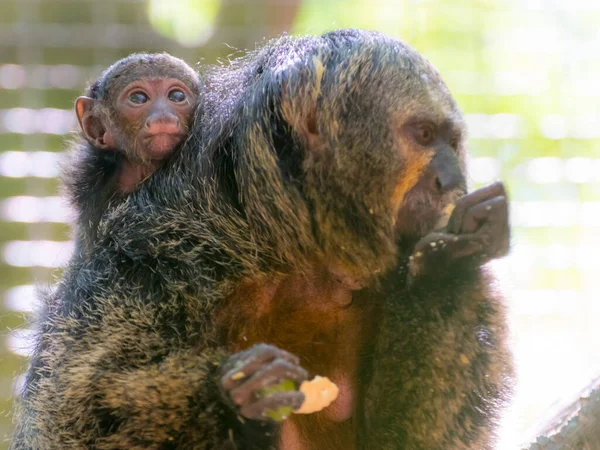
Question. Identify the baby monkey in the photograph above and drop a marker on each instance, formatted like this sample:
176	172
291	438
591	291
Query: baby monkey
132	117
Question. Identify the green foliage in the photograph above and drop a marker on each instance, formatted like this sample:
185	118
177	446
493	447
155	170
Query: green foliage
189	22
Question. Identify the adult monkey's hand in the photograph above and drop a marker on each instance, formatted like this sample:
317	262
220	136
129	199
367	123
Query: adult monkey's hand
247	374
477	232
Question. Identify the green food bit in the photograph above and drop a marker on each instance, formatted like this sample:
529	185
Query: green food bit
286	385
278	414
282	412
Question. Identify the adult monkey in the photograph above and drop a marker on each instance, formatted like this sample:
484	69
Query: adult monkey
325	160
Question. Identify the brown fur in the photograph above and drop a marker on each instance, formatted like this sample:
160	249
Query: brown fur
311	315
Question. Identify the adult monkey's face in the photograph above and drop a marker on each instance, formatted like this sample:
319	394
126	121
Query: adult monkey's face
430	135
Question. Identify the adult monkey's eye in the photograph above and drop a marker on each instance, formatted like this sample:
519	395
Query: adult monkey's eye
177	96
454	143
425	134
137	98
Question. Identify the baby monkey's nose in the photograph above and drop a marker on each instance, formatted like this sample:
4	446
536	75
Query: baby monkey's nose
162	123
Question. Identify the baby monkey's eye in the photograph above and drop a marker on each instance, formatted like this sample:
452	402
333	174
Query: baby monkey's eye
177	96
137	98
425	134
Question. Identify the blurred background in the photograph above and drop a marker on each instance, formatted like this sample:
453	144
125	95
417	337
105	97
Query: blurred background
525	73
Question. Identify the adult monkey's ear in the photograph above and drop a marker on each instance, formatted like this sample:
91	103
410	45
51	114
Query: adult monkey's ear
92	126
299	100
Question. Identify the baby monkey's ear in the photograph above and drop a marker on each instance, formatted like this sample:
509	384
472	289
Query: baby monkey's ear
90	124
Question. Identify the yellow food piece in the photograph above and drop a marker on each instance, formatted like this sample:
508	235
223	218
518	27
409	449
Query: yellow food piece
238	376
319	393
447	212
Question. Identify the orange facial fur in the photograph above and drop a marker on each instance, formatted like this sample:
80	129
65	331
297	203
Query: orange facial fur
416	163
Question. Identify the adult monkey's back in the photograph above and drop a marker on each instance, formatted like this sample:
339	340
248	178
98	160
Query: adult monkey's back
323	161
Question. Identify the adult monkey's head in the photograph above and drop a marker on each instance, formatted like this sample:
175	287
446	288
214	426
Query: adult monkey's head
388	127
361	129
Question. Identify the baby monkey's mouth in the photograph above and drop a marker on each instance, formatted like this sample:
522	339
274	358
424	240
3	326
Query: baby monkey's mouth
161	145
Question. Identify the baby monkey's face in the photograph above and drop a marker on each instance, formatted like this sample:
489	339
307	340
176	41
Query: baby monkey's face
153	117
139	110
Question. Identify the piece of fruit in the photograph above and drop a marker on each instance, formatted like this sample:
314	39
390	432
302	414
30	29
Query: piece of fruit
282	412
319	393
446	213
279	414
285	385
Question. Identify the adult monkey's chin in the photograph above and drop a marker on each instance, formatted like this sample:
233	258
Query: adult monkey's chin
415	221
